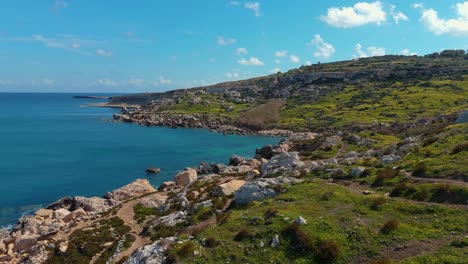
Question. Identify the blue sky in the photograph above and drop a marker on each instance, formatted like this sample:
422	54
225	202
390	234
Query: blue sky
149	45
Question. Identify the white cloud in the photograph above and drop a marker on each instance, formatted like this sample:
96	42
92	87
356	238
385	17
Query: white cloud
456	26
240	51
407	52
294	58
163	80
234	3
136	81
360	14
255	6
233	75
308	63
281	53
275	70
323	50
397	16
370	51
7	83
253	61
55	43
106	82
418	5
43	82
104	53
76	45
277	61
224	42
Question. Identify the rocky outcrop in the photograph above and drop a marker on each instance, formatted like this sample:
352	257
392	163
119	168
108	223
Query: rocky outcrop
286	164
135	189
151	254
229	188
153	170
186	177
93	205
262	188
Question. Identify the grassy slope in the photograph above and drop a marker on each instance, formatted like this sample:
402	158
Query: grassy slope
336	214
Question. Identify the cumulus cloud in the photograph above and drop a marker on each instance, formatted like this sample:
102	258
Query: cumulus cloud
226	41
369	52
233	75
277	61
362	13
397	16
455	26
253	61
234	3
407	52
240	51
254	6
59	4
294	58
418	5
106	82
281	53
308	63
104	53
323	50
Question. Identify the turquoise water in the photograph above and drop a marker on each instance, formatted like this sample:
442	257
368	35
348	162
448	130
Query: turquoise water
52	145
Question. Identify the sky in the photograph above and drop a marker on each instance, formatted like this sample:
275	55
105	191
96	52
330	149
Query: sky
127	46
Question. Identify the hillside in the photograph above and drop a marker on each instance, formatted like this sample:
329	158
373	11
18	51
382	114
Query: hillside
371	169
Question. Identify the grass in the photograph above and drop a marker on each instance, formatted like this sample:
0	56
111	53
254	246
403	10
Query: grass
343	226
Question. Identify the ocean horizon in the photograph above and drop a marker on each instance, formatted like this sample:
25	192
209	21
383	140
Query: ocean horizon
54	145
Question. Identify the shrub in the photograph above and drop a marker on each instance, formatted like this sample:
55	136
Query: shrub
389	226
381	260
222	218
186	250
429	141
327	251
211	242
270	213
300	238
420	170
460	243
383	176
242	235
377	203
327	196
460	147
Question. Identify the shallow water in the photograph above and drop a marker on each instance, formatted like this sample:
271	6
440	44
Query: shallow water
52	145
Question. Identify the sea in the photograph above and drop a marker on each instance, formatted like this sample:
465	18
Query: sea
53	145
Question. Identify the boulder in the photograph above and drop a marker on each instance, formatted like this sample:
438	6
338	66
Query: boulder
275	241
60	213
151	202
357	171
50	229
229	188
300	221
261	189
235	170
204	204
44	213
135	189
65	202
462	118
78	213
186	177
93	205
389	159
24	242
266	152
165	185
236	160
286	164
351	154
253	174
172	219
152	170
151	254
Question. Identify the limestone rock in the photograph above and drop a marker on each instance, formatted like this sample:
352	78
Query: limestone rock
186	177
150	254
235	170
253	174
173	219
65	202
166	185
236	160
78	213
286	164
60	213
152	202
229	188
205	204
261	189
44	213
357	171
135	189
300	220
94	204
275	241
24	242
152	170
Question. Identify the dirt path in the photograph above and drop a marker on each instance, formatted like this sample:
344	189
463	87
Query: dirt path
127	214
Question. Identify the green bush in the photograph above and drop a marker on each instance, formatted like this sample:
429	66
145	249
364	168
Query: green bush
419	170
460	147
211	242
327	251
242	235
389	227
377	203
